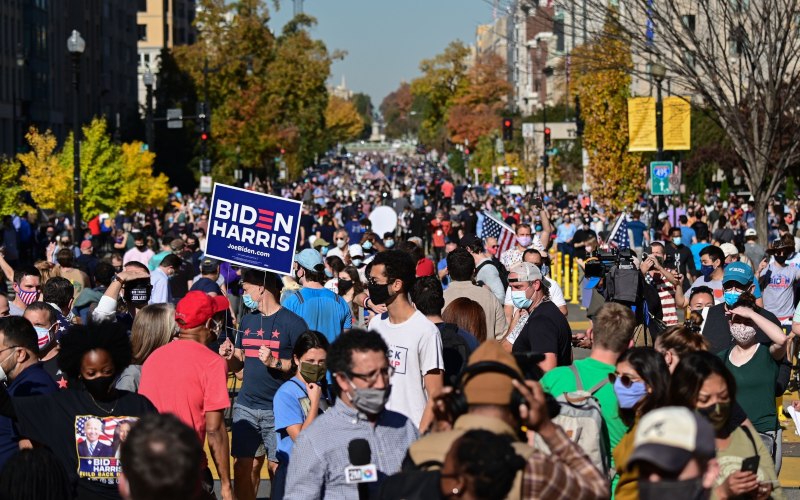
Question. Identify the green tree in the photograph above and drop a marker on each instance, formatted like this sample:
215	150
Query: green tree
363	104
10	189
443	80
602	80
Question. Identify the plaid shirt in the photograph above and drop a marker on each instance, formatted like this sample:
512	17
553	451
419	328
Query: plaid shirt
567	473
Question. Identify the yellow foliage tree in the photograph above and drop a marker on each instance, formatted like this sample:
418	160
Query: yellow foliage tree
10	189
342	121
602	80
47	180
140	189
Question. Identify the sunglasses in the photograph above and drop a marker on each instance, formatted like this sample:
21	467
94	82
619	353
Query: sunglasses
625	380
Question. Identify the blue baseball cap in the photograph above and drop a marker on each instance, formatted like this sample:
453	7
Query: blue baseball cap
738	272
310	259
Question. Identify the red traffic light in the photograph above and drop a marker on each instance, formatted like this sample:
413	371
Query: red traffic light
547	130
204	136
506	123
283	151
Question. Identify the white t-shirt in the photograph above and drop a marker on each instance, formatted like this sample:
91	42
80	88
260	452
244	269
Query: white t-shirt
556	294
415	348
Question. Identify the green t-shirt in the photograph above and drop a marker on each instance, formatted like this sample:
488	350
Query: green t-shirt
755	387
740	447
560	380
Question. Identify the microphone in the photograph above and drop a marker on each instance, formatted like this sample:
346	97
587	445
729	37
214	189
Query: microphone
360	471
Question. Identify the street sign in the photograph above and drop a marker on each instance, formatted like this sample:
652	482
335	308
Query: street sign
174	118
205	183
527	131
499	147
660	173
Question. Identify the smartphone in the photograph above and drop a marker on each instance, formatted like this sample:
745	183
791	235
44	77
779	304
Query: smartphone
750	464
537	202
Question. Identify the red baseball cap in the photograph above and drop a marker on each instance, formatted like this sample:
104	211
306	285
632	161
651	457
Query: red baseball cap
86	244
197	307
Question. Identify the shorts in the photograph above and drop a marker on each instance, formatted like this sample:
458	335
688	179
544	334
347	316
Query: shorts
253	433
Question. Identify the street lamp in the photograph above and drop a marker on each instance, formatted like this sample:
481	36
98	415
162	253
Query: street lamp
75	46
658	72
20	58
148	80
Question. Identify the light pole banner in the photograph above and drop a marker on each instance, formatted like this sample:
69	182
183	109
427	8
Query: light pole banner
642	124
253	229
677	128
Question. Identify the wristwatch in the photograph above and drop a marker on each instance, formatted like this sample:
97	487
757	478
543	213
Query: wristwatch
118	279
278	364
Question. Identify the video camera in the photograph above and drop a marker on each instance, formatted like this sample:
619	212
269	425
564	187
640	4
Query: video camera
599	263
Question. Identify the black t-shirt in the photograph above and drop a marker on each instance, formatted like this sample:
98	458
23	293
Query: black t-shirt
179	285
52	369
547	330
717	331
582	235
83	436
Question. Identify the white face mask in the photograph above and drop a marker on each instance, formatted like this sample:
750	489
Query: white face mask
341	243
742	334
3	374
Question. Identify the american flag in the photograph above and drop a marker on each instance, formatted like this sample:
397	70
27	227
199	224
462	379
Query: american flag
109	426
618	238
494	228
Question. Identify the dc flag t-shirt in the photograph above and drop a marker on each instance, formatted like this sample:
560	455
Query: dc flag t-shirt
279	333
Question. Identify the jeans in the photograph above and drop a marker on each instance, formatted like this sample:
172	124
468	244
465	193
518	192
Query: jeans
773	442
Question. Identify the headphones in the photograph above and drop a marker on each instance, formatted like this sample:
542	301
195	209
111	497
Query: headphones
458	402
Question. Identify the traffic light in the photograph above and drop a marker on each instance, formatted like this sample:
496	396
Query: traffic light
579	124
205	166
545	160
508	129
204	136
547	138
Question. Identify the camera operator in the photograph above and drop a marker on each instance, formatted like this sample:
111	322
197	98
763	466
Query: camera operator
664	281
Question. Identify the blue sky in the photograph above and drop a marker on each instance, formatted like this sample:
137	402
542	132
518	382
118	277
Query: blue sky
386	39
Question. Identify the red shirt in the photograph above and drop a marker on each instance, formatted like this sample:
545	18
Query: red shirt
425	267
187	379
447	189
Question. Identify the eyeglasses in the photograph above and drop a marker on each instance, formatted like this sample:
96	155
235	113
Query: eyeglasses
371	281
625	380
494	246
371	378
9	348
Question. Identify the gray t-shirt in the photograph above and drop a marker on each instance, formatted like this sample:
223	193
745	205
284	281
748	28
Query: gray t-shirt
779	292
755	253
13	310
490	277
129	380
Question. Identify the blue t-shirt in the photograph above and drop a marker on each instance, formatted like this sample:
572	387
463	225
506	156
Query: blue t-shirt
637	229
687	234
279	332
291	407
30	382
323	311
446	280
696	248
354	230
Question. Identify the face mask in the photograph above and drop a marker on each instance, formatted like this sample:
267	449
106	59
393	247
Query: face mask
688	489
539	228
717	414
323	251
249	302
370	401
27	298
99	387
341	243
520	299
731	297
677	240
358	262
137	292
524	241
545	269
706	271
491	251
328	273
345	286
742	334
140	247
3	374
312	373
388	243
780	259
43	336
628	397
367	245
118	269
379	294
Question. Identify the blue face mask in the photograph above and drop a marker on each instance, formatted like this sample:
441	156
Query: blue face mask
367	245
539	228
707	271
628	397
677	240
731	297
520	299
249	302
388	243
323	251
328	273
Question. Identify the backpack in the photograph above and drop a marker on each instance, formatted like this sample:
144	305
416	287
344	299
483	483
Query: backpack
501	270
582	421
455	353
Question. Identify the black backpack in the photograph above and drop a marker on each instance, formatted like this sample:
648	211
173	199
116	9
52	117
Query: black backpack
501	270
455	353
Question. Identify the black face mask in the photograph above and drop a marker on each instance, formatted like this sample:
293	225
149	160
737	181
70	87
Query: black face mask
137	292
780	259
345	286
688	489
379	294
718	414
100	387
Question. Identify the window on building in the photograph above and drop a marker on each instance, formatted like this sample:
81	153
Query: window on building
558	31
142	5
688	58
740	5
141	32
688	22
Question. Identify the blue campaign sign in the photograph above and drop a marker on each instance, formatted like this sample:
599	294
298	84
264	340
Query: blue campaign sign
253	229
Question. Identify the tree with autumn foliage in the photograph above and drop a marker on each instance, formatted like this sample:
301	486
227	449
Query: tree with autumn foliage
11	191
399	112
476	112
48	180
342	120
443	80
602	79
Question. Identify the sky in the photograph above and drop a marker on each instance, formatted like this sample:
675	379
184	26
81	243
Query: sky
386	39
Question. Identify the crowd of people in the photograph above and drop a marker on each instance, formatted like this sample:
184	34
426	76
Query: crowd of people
435	360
